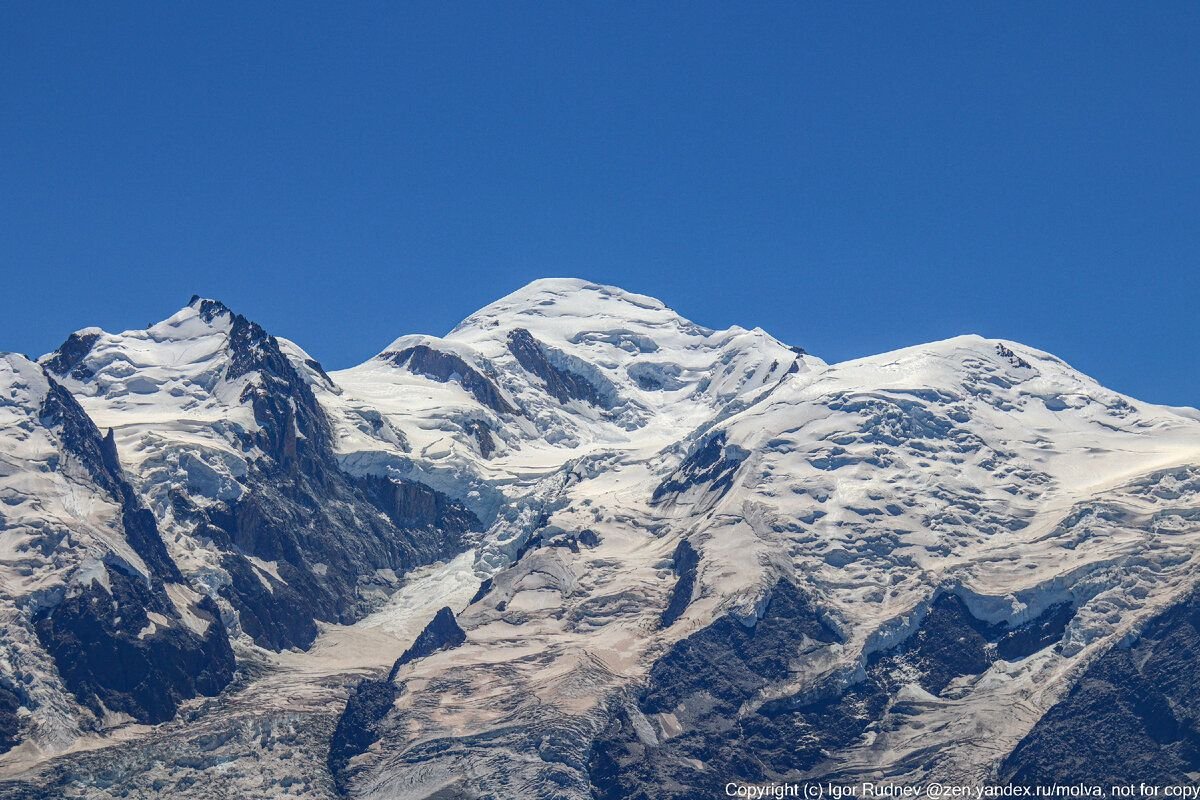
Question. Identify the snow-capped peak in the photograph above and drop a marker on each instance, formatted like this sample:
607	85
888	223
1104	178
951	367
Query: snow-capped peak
566	303
642	346
572	365
189	379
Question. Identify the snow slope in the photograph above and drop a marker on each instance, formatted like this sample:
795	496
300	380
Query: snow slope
567	368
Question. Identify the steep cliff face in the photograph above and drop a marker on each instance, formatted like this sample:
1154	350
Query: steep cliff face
123	648
11	703
445	367
711	710
1133	717
677	735
371	700
88	585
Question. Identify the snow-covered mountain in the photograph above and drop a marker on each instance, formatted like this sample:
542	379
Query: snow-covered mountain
559	370
93	605
583	547
220	424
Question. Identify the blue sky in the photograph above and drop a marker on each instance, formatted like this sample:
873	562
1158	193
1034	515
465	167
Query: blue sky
852	177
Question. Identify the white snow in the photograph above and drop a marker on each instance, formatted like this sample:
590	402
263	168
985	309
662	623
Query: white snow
622	342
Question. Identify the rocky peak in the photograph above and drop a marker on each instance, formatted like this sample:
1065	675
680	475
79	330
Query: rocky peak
68	358
207	308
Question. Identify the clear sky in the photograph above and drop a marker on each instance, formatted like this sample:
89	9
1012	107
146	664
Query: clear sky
852	177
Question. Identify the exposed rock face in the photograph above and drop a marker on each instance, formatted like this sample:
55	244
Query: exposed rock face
356	730
293	429
77	434
685	560
699	686
370	701
441	366
80	437
482	433
10	719
326	537
705	717
68	359
442	633
275	614
545	362
1132	717
414	506
951	643
711	466
123	648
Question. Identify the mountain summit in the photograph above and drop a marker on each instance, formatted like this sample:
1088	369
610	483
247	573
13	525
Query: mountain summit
582	547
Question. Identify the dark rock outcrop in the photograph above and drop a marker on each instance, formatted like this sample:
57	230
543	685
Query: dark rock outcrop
10	720
371	699
274	614
685	561
951	643
482	434
711	464
113	657
730	661
80	438
412	505
326	535
441	366
358	727
442	633
1133	717
482	591
704	682
141	530
68	358
1012	357
293	431
562	384
1035	635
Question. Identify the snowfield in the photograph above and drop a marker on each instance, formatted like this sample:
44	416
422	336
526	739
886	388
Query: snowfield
672	556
